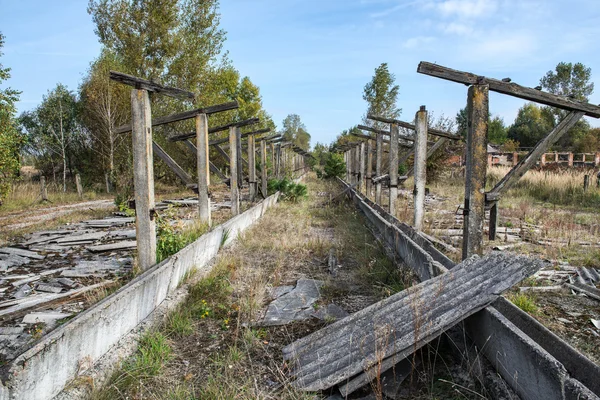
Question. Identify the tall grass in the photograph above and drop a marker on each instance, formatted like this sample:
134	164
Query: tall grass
563	187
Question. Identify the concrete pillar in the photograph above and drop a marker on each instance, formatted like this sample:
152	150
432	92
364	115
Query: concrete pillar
263	169
252	167
278	161
240	165
204	214
369	168
378	155
420	167
474	209
570	159
43	189
556	157
143	178
233	168
596	159
393	168
543	160
515	158
78	185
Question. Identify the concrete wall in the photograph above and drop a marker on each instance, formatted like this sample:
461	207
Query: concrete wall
535	363
42	371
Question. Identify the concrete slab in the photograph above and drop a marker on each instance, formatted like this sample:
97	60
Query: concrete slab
48	317
296	305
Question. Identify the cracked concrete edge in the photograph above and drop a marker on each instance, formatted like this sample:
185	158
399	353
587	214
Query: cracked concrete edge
44	370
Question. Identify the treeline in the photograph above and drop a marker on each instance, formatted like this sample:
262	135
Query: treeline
177	43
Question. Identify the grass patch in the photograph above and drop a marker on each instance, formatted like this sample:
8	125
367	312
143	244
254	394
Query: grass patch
170	239
524	301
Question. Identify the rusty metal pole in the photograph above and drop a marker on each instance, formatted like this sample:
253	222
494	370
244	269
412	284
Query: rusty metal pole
476	168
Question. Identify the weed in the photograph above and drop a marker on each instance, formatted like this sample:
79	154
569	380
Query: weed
524	301
170	241
179	323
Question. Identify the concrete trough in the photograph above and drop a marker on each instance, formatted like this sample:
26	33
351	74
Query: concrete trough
42	371
533	361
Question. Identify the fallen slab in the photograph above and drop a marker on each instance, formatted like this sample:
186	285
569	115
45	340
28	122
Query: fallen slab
123	245
295	305
376	338
21	252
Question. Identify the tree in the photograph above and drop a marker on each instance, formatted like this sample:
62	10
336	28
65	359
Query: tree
381	95
11	140
530	126
320	153
54	129
295	131
461	122
104	106
497	132
335	166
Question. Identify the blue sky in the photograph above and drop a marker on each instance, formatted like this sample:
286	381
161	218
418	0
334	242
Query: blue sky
313	58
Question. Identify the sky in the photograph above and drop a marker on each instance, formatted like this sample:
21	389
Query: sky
314	57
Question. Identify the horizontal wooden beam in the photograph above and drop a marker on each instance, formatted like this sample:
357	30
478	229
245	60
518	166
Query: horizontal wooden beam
403	124
509	88
215	129
232	105
269	137
225	140
383	132
150	86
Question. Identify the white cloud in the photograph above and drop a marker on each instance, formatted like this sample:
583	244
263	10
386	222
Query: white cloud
463	9
417	41
457	28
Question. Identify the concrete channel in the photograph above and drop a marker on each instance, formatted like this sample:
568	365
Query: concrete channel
43	371
534	362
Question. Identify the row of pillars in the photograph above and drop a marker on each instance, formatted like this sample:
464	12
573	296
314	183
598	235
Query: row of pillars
359	167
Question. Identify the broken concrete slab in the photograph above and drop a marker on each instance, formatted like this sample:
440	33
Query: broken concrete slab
21	252
22	292
48	317
83	237
70	283
25	280
41	287
378	337
296	305
280	291
123	245
108	222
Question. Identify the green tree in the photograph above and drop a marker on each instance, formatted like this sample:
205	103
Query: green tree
54	130
320	153
497	132
381	95
295	131
11	140
530	126
571	80
335	166
461	122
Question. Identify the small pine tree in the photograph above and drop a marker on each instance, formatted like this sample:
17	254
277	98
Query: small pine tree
335	166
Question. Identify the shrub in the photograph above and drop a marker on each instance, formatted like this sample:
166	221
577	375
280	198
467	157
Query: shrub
335	166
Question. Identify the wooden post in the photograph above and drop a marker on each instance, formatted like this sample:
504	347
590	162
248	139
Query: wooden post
596	159
361	173
272	174
240	166
204	214
515	158
43	189
556	157
393	168
278	161
346	161
263	169
78	184
143	176
420	167
570	155
379	153
474	209
369	167
108	182
543	160
252	167
586	183
493	221
233	169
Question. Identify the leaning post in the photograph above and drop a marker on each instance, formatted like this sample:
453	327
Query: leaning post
476	168
203	168
420	167
252	167
393	168
378	155
143	176
233	170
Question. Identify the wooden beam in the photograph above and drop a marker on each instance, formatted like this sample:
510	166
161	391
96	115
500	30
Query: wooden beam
233	171
143	178
509	88
393	190
215	129
213	168
185	115
252	168
430	131
263	167
139	83
172	164
369	167
387	133
420	168
378	159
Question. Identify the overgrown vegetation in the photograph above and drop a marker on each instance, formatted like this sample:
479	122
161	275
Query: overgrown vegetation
171	239
290	190
524	301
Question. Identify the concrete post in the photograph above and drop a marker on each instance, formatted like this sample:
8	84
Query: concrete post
596	159
378	155
203	168
43	189
252	167
272	174
586	183
78	184
369	168
233	169
393	168
515	159
278	161
474	209
263	169
240	166
420	167
347	162
108	182
570	159
543	160
143	177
